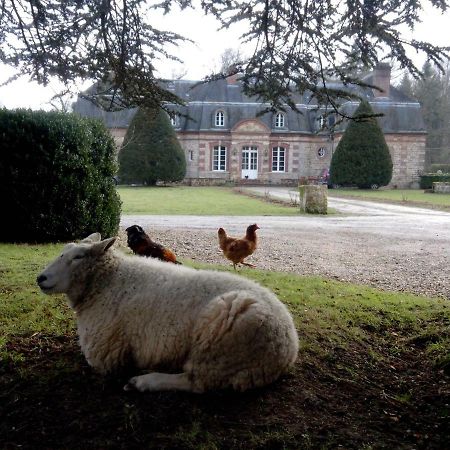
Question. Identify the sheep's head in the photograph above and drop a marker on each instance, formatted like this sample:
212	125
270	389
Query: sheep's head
74	261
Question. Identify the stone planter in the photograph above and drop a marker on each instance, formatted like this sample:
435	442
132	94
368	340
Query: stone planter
441	187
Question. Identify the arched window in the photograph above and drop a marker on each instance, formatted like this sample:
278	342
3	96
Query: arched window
321	152
219	120
174	120
279	120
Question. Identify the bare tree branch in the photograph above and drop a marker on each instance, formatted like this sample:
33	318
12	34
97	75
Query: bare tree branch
300	48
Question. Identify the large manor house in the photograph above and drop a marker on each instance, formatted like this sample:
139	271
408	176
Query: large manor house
226	139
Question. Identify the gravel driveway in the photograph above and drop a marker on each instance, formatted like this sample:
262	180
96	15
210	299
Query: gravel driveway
387	246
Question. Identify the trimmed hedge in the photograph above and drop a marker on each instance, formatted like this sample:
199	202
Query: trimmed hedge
362	157
151	151
427	180
56	173
444	168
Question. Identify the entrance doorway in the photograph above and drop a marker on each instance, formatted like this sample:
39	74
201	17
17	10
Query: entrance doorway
249	162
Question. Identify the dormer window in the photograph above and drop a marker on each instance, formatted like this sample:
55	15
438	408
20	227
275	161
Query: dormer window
279	120
321	122
219	120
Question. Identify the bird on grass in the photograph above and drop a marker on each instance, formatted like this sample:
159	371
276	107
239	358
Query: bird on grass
141	244
237	249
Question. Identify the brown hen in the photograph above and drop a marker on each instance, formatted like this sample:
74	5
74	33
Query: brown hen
237	249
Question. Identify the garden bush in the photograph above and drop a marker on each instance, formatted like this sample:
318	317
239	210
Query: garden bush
151	151
56	171
427	179
362	156
444	168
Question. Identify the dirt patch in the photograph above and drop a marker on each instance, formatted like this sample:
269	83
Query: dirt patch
51	399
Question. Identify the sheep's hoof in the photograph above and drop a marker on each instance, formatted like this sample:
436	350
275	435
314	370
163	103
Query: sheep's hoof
131	385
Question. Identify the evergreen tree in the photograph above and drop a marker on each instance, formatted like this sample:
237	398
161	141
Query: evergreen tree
151	151
362	156
432	91
406	86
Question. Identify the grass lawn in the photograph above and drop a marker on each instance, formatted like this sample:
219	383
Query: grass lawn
411	197
182	200
373	372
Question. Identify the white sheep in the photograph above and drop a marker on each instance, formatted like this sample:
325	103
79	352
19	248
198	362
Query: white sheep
207	329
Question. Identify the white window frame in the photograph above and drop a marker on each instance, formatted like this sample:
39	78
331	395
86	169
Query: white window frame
191	155
321	122
219	118
174	120
219	158
322	152
279	159
279	120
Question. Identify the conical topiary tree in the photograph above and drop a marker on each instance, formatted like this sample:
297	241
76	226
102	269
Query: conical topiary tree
151	151
362	156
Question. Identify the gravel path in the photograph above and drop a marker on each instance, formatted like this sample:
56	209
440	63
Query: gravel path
350	259
404	250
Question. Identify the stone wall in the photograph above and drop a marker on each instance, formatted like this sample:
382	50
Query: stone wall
118	134
303	157
408	159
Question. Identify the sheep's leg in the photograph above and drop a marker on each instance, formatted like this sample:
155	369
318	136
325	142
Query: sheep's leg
160	382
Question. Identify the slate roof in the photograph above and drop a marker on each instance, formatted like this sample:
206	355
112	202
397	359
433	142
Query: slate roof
116	119
203	100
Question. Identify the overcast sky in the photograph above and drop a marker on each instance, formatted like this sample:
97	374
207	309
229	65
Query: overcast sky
200	58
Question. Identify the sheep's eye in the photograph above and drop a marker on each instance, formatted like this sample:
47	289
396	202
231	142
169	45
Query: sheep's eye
78	257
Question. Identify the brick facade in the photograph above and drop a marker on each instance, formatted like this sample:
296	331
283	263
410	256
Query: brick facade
302	156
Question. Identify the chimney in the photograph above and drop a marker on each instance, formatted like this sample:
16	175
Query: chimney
234	74
382	79
233	79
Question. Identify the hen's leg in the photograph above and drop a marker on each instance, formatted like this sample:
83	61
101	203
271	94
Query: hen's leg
248	264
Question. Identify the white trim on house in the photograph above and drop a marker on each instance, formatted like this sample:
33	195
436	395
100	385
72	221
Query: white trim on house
219	118
219	158
280	120
278	159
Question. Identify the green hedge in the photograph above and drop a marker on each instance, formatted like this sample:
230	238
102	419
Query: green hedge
56	172
427	180
151	151
362	157
444	168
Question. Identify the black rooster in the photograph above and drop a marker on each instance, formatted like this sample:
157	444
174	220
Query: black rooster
141	244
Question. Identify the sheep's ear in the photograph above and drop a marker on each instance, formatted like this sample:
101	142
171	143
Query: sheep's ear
103	246
94	237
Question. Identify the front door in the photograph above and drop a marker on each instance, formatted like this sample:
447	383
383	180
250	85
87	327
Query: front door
249	163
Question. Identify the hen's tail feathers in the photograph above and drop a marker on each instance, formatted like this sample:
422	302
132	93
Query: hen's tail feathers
170	256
